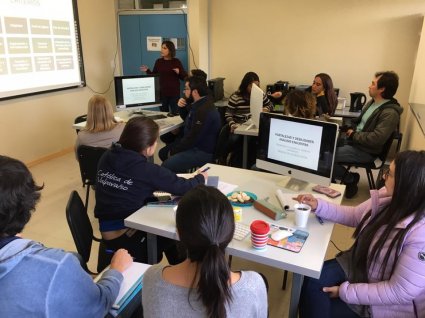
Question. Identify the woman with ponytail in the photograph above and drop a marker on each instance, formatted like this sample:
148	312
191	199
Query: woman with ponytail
203	285
383	273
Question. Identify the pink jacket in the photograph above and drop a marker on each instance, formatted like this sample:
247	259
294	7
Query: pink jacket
401	295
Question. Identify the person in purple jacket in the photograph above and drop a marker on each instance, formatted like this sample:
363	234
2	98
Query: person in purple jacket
383	273
170	71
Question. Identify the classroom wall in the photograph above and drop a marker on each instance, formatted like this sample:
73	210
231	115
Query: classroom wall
294	40
36	127
415	138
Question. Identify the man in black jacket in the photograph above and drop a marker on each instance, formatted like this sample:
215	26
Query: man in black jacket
201	129
364	141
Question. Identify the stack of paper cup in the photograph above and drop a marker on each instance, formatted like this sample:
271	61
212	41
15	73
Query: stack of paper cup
259	234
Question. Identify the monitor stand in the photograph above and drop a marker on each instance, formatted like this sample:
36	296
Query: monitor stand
293	184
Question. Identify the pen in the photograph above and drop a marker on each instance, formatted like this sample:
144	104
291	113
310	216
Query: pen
205	170
319	219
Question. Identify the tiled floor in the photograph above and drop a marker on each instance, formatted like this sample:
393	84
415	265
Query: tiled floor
48	223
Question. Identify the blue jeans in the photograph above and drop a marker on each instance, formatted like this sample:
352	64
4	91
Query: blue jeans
169	103
316	303
183	161
350	154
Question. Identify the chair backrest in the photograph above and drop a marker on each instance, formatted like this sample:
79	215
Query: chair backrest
387	147
80	119
80	226
88	158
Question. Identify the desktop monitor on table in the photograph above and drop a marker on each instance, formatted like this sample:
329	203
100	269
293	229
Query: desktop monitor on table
301	148
137	92
255	105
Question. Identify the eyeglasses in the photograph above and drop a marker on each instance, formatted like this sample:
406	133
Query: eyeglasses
386	173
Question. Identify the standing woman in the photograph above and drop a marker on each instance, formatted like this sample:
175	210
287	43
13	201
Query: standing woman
102	129
323	89
126	181
383	273
203	285
170	70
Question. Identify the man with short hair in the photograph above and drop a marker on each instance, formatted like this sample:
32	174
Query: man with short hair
364	141
201	129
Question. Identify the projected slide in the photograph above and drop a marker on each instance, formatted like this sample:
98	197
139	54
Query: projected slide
38	46
138	90
295	143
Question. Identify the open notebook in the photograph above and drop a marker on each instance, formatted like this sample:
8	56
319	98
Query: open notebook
130	286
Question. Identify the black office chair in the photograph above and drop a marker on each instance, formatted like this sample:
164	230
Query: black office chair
82	233
80	119
88	158
369	166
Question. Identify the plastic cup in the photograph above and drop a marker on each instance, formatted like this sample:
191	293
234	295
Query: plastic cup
302	211
259	234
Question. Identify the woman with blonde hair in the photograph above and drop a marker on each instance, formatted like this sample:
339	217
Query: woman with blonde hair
101	129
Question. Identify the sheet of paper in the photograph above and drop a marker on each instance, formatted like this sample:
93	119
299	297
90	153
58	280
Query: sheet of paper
225	187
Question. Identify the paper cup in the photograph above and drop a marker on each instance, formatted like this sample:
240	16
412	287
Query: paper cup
259	234
302	211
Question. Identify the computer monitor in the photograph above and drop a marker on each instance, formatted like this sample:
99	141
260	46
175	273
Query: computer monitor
137	92
301	148
256	105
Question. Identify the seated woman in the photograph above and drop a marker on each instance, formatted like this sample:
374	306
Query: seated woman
323	89
383	273
299	104
237	112
101	127
44	282
126	181
203	285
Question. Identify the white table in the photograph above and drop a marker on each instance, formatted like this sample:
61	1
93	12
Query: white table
309	261
165	124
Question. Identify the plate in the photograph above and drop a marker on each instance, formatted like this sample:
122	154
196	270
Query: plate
251	195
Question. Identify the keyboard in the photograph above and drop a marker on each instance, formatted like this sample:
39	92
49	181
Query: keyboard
241	231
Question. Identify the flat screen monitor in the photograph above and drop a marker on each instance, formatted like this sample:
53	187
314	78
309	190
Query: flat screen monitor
255	105
136	92
301	148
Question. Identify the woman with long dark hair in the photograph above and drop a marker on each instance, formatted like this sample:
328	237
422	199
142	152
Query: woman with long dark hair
126	180
171	71
203	285
323	89
383	273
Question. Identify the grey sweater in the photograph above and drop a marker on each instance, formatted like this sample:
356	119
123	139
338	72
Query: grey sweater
162	299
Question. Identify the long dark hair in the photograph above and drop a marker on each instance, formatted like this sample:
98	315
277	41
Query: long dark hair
407	199
139	133
246	81
329	92
205	224
171	47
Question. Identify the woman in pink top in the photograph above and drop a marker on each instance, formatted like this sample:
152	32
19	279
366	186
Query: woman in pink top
383	273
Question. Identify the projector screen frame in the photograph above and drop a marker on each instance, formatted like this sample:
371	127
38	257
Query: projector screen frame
79	52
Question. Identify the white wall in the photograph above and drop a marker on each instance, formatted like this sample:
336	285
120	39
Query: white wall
38	126
294	40
415	138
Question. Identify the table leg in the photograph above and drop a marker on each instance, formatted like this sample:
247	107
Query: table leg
152	248
297	281
245	152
